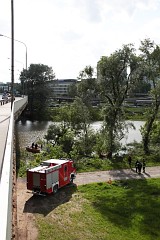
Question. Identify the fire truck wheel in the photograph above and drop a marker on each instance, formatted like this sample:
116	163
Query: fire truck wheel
55	189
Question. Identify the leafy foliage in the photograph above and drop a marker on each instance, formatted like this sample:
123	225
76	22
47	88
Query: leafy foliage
36	87
150	58
155	135
116	76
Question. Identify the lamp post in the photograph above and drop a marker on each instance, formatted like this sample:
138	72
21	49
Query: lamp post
12	55
22	81
23	75
1	35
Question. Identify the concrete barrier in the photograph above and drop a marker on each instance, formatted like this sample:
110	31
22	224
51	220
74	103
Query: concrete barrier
6	186
7	172
19	106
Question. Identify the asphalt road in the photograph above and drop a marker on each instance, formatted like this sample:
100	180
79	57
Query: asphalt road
105	176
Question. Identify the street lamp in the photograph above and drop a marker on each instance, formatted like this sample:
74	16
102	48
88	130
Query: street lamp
12	62
1	35
23	75
12	53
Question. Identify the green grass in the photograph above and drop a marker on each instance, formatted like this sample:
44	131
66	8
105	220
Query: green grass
135	113
124	210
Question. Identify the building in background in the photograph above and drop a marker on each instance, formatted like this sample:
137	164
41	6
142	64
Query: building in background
60	87
5	87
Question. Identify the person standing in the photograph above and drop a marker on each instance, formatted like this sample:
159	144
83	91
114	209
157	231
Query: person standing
144	165
137	166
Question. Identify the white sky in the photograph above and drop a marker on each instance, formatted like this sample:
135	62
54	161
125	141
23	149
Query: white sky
67	35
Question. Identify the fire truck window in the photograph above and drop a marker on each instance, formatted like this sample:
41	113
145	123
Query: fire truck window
65	168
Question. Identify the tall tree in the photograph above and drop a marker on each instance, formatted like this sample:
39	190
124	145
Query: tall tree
36	84
116	75
87	87
150	58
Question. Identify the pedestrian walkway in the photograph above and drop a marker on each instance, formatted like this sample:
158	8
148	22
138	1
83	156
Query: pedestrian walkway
5	112
122	174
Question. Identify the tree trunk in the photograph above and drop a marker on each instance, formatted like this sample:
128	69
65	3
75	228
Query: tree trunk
148	129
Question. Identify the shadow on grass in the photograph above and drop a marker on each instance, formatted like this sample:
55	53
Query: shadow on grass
130	204
45	204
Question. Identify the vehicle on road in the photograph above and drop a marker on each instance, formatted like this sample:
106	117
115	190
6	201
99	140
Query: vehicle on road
50	175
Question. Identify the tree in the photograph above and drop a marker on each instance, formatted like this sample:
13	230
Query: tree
142	86
60	136
155	134
116	76
72	90
75	123
150	58
64	116
67	141
36	82
54	133
87	87
80	118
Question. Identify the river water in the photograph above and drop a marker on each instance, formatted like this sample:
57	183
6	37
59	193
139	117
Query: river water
32	131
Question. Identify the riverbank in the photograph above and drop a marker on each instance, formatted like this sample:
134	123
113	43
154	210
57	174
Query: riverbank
36	215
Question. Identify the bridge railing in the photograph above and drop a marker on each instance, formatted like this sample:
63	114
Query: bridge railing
19	106
6	186
6	180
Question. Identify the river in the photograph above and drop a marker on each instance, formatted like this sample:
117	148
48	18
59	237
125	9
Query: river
32	131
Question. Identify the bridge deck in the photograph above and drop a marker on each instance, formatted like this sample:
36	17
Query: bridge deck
5	112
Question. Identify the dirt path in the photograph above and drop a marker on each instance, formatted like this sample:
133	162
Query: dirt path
25	220
27	206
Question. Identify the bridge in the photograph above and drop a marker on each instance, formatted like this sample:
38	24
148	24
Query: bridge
7	122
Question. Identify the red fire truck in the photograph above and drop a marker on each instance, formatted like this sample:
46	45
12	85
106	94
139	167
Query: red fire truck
50	175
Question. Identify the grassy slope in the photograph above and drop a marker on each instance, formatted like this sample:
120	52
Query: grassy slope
120	211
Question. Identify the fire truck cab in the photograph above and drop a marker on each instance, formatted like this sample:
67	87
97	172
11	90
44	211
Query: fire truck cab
50	175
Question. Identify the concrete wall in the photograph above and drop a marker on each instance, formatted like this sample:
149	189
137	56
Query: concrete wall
6	186
6	177
19	106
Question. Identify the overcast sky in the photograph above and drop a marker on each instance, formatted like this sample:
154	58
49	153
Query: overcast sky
68	35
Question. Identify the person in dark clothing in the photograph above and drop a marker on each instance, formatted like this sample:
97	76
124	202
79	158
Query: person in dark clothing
144	165
136	165
129	161
139	167
33	145
36	146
